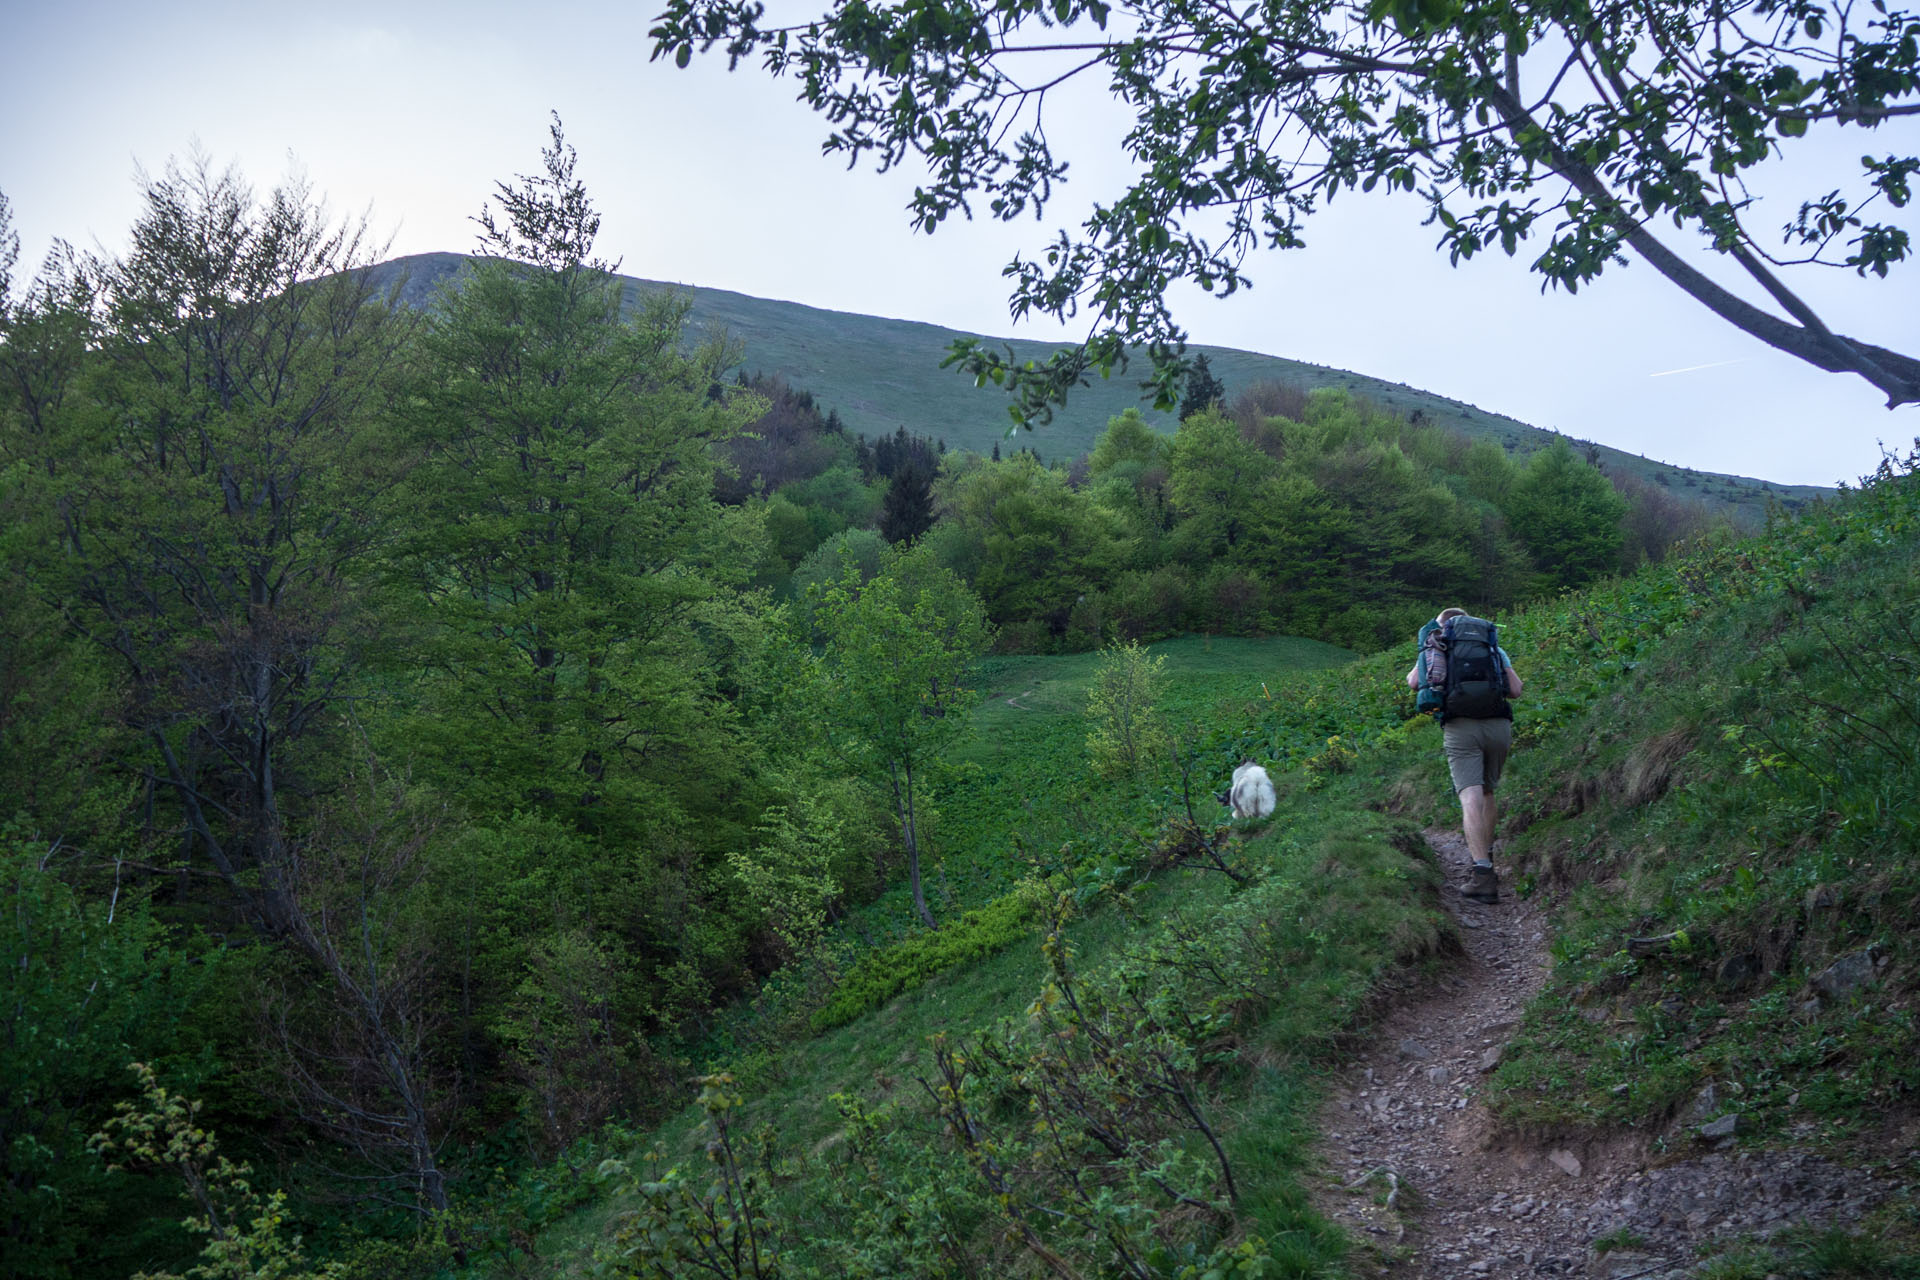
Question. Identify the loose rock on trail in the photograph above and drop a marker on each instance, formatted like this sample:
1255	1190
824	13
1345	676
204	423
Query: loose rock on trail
1418	1174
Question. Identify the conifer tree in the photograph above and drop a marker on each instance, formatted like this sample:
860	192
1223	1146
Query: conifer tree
907	511
564	540
1204	391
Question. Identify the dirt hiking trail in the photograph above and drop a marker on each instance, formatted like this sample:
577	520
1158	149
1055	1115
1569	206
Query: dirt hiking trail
1419	1177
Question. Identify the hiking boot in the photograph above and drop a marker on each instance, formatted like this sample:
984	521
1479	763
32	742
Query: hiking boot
1483	885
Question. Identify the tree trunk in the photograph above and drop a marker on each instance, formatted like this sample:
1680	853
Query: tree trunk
910	836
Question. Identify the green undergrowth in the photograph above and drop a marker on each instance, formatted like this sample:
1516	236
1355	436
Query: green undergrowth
1016	802
1134	1080
880	975
1731	807
1884	1247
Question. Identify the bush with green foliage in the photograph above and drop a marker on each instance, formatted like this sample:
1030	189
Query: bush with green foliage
879	976
89	980
1127	734
247	1233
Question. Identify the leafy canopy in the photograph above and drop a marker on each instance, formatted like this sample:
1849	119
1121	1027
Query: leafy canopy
1567	513
898	646
1588	123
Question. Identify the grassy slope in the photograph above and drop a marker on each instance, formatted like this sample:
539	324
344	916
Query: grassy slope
1350	902
1751	783
1016	797
1028	745
883	374
1727	748
1726	759
1357	903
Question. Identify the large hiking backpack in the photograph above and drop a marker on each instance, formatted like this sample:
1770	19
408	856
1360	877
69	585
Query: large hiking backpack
1462	674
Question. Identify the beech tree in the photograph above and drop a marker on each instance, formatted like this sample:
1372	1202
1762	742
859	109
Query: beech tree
562	515
897	648
1213	476
357	1024
1590	124
1034	545
1127	440
1568	514
192	419
568	573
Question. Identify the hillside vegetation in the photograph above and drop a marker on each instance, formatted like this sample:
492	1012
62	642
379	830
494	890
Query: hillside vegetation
1717	754
1283	511
881	375
440	745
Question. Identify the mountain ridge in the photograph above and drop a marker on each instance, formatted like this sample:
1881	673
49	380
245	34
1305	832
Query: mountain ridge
882	374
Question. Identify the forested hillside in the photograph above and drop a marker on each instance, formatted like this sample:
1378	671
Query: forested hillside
1283	512
881	376
433	736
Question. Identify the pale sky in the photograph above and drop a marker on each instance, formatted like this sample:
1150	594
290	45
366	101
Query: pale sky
411	110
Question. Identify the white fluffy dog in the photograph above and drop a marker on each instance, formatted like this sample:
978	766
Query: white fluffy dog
1252	795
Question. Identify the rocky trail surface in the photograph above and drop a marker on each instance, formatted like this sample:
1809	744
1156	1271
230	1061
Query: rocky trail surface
1419	1175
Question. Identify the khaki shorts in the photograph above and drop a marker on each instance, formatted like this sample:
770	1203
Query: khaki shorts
1476	751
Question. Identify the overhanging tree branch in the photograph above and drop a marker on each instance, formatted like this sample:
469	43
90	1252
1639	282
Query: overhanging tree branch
1651	107
1810	340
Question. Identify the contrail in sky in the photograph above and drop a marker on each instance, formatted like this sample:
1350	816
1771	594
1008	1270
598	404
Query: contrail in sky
1695	368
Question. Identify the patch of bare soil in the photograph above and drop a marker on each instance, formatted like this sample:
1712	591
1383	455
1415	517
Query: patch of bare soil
1420	1176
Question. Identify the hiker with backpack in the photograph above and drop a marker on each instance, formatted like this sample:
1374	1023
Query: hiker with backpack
1467	681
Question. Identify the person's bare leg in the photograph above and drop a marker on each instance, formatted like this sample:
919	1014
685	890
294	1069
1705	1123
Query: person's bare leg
1478	809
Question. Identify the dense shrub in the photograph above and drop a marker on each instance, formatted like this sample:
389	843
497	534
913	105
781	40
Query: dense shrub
879	976
1146	605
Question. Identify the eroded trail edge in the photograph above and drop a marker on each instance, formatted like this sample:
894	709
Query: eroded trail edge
1420	1177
